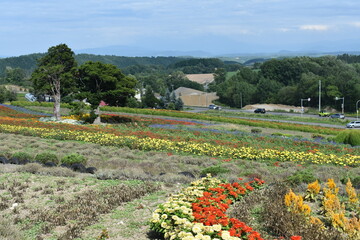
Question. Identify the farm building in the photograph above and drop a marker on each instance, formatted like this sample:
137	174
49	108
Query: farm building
192	97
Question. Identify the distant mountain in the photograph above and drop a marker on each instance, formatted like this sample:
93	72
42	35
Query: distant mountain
130	51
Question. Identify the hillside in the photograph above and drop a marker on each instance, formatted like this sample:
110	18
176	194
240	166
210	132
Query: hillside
28	62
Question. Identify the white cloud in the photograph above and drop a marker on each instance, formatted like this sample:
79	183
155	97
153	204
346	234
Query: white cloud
284	29
314	27
356	24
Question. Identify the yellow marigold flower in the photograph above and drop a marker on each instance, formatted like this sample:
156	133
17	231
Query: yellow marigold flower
314	187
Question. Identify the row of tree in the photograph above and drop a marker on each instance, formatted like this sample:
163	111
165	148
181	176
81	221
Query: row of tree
17	70
289	80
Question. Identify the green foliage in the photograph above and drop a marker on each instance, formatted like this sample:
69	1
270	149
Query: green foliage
98	81
77	108
56	66
149	100
281	134
89	118
317	136
194	65
113	119
22	155
45	157
6	95
304	176
55	75
350	136
256	130
214	170
355	180
74	158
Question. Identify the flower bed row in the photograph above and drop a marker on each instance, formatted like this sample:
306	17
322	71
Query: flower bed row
179	114
248	122
199	212
153	144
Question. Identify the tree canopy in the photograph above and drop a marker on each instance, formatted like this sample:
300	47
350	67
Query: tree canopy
97	81
54	74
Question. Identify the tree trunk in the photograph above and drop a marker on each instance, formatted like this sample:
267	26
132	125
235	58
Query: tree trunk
57	107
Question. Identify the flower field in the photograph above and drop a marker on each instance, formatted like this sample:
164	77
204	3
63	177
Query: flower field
199	212
219	145
174	155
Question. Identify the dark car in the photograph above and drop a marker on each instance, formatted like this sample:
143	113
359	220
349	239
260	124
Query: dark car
260	110
337	115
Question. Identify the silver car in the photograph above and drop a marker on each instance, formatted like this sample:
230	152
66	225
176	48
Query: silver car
355	124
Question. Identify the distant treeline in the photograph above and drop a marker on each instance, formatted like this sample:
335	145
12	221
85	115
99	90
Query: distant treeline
129	65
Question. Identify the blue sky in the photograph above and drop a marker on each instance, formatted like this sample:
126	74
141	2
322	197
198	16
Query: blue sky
215	26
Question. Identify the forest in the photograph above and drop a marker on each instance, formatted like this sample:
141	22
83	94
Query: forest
281	81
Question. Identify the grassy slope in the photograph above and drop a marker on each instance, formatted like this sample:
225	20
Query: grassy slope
50	188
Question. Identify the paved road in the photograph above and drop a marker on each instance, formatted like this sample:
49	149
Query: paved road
202	109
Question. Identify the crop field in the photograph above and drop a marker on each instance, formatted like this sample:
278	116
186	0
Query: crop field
151	174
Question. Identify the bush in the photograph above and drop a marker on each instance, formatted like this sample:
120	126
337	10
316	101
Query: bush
214	170
113	119
77	108
281	134
304	176
256	130
351	137
22	156
45	157
317	136
74	158
89	118
355	180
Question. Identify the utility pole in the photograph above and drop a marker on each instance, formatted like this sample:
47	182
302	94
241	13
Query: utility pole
319	95
241	100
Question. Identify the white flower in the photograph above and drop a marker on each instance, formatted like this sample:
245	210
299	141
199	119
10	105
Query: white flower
197	228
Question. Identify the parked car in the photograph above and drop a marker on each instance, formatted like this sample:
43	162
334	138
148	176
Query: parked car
337	115
215	107
355	124
324	114
212	106
260	110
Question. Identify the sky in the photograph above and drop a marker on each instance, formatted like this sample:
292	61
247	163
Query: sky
213	26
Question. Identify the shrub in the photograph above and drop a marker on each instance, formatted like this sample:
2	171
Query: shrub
256	130
73	158
22	156
355	180
351	137
45	157
214	170
281	134
317	136
77	108
113	119
304	176
89	118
